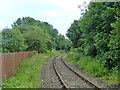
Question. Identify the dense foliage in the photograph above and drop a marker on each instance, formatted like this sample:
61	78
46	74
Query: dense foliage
97	33
94	67
12	41
28	34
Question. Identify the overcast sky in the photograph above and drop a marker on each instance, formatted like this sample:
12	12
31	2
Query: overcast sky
59	13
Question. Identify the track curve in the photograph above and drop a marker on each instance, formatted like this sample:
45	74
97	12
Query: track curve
61	67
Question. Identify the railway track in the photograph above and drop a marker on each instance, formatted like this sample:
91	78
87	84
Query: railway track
67	67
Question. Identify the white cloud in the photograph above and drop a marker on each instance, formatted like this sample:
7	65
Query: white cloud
66	4
8	16
60	17
53	13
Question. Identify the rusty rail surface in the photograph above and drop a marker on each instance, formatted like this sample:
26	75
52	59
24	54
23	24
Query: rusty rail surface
75	72
82	77
59	76
9	62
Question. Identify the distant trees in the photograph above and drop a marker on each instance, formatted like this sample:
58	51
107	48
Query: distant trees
30	34
62	43
97	33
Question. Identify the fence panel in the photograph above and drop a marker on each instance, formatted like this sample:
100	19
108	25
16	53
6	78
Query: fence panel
9	62
0	68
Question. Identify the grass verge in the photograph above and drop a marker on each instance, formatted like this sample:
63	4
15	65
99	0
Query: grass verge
29	72
94	67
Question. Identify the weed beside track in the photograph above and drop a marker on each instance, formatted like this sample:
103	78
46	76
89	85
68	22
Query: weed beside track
29	73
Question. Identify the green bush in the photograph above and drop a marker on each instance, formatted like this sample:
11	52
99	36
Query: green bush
61	51
94	67
110	59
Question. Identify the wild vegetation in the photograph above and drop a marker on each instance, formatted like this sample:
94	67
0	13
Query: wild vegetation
28	34
28	75
95	39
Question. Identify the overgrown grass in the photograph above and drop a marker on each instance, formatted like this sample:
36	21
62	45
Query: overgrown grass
94	67
29	72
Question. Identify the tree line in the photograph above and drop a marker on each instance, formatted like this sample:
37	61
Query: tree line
28	34
97	33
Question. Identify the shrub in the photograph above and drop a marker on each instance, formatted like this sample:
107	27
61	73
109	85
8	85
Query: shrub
95	67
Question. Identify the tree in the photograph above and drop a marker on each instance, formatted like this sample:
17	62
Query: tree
74	34
114	43
36	35
37	39
12	41
26	21
94	35
26	24
62	43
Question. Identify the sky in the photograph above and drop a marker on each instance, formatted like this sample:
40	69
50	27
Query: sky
59	13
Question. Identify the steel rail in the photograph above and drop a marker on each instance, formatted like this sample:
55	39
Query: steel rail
82	77
75	72
57	73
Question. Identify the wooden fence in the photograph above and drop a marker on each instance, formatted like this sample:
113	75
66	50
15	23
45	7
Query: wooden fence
9	62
